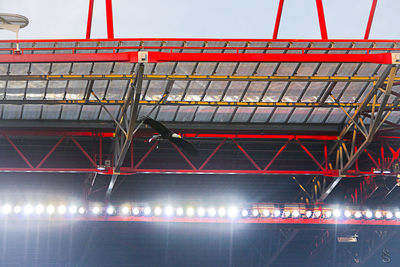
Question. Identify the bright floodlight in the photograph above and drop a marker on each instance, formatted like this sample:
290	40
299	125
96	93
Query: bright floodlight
96	210
72	209
317	214
357	215
179	211
61	209
295	214
110	210
328	214
266	213
277	213
17	209
39	209
190	211
135	211
50	209
221	212
81	210
7	209
255	212
347	213
245	213
368	214
308	213
169	211
28	209
336	213
125	210
147	211
233	212
201	212
211	212
286	214
389	215
157	211
378	214
397	214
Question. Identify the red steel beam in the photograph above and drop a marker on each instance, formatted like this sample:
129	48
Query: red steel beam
212	154
321	18
50	152
159	57
370	19
83	151
18	151
310	155
90	18
278	19
110	24
276	155
247	155
184	156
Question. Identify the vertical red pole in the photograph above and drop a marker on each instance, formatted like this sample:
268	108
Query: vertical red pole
89	21
382	156
110	25
355	150
321	18
278	19
370	19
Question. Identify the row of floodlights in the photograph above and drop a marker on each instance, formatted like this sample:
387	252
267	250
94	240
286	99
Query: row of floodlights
170	211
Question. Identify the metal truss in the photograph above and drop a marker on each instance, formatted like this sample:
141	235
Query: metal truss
120	165
125	127
347	153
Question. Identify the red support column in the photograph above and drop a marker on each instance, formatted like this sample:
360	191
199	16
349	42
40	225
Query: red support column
278	19
89	22
321	18
50	152
110	25
370	19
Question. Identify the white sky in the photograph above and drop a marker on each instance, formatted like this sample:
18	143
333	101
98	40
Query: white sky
206	18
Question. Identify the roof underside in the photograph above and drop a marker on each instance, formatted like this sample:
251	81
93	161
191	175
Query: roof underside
205	84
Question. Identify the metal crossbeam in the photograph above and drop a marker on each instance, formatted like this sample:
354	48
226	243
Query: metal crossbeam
123	139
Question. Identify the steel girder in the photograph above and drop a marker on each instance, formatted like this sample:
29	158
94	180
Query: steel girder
125	128
348	153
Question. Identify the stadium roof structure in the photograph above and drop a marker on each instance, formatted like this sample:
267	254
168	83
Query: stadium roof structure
322	108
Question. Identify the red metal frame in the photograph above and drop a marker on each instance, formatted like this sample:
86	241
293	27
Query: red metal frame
110	23
159	57
278	19
93	160
321	19
90	19
370	19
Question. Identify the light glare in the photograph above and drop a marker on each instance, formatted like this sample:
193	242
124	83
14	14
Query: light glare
72	209
368	214
389	215
7	209
221	212
295	214
211	212
357	215
179	211
147	211
255	213
245	213
39	209
96	210
50	209
397	214
347	213
17	209
135	211
61	209
190	211
169	211
233	212
336	213
201	212
378	214
110	210
157	211
28	209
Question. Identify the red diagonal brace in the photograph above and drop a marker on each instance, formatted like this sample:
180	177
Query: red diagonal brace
212	154
146	155
83	151
50	152
247	155
276	155
372	159
184	156
18	151
310	155
395	155
89	21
